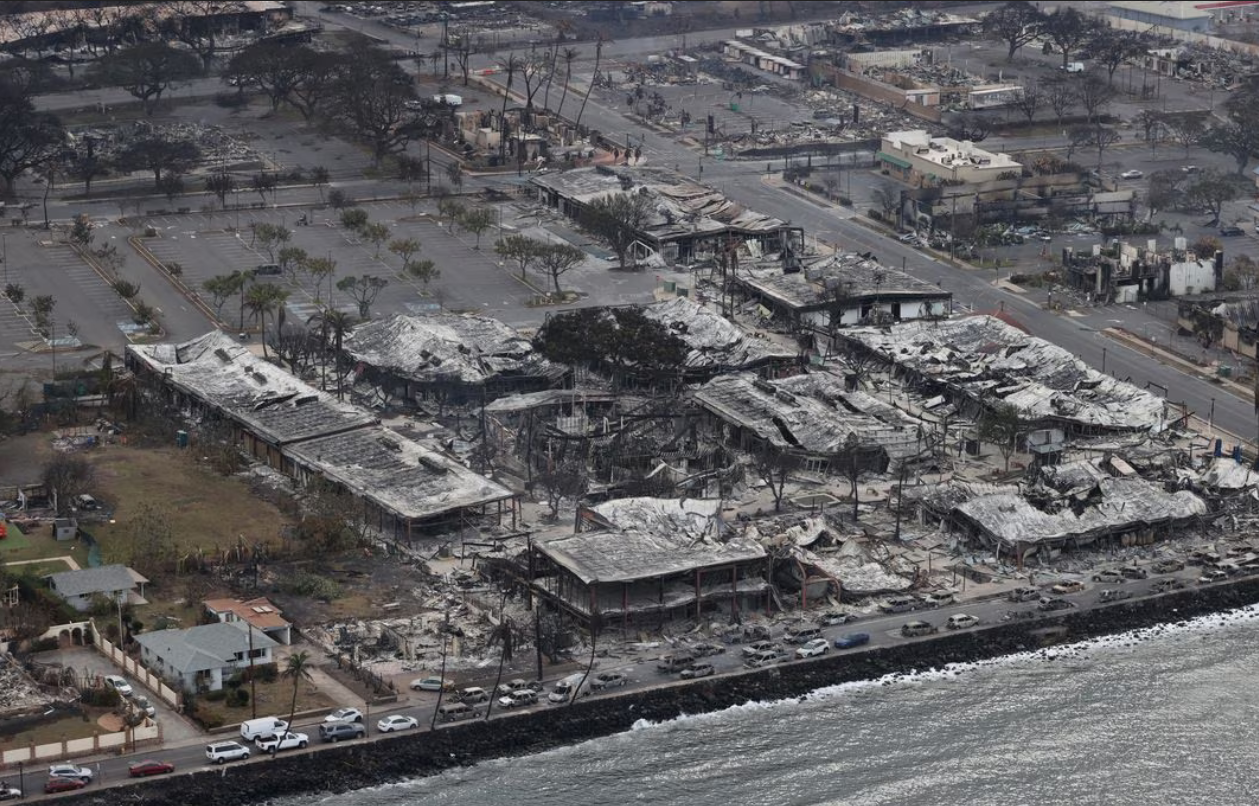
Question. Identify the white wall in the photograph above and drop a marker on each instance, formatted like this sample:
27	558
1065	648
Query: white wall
1194	277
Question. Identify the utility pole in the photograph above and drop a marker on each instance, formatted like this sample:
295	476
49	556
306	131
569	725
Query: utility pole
445	45
253	679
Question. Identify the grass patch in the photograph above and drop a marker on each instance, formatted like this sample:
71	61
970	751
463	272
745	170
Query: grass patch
64	729
273	699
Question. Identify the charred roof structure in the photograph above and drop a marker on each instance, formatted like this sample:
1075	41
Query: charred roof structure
648	560
812	416
714	343
689	220
453	357
841	289
980	361
304	432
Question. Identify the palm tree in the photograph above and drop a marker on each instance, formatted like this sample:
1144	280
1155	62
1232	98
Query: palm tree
441	688
297	669
570	55
598	55
596	623
505	632
336	324
509	65
238	282
262	299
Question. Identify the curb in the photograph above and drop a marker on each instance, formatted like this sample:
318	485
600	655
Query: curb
136	242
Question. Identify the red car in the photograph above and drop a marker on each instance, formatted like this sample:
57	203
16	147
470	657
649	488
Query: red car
64	785
150	767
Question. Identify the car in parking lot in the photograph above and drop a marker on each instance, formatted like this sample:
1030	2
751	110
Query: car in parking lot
396	722
344	715
432	684
519	699
1113	595
148	767
1132	174
818	646
274	743
70	771
1070	586
1169	566
221	752
1024	594
1134	572
608	680
1189	169
142	704
1055	603
9	792
63	785
961	621
697	670
913	629
1232	231
336	731
119	684
852	639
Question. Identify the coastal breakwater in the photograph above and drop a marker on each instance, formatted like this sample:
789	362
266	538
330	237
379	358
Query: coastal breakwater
361	764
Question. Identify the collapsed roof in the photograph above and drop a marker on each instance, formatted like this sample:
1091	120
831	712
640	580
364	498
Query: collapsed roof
262	397
830	279
447	348
991	362
714	342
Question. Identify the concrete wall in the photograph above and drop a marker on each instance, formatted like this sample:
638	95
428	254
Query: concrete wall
130	666
1194	277
143	735
877	91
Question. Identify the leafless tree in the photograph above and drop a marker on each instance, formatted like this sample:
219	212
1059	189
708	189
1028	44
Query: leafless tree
774	466
1030	101
1094	94
67	475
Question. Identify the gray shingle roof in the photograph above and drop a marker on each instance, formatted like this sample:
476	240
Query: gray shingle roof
105	579
209	646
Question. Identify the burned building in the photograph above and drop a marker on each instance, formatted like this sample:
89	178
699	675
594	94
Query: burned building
823	293
451	358
981	361
688	221
1125	273
644	561
714	344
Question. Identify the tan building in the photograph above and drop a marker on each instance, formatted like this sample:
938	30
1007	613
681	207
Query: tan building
920	159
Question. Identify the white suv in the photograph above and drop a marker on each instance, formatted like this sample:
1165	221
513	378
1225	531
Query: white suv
220	752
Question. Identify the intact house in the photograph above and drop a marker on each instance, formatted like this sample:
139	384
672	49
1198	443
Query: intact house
258	613
645	561
687	222
820	294
450	358
116	584
1126	273
392	483
205	657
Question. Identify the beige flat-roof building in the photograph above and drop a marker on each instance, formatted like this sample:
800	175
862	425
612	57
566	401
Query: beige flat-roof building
920	159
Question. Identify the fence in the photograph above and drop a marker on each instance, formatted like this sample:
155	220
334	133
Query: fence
130	739
138	671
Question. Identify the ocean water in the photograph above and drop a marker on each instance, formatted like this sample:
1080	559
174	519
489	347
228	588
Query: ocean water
1162	716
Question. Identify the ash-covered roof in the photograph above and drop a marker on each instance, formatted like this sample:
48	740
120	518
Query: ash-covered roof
628	555
550	397
988	360
834	278
810	412
448	348
713	341
681	206
264	398
690	518
397	474
1124	503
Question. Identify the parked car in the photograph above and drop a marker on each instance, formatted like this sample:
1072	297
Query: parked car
1168	566
940	598
1168	584
758	646
804	635
1132	174
511	685
149	767
119	684
1113	595
277	742
1134	572
396	722
768	657
519	699
900	604
704	650
674	662
9	792
1055	603
1071	586
1109	577
344	715
818	646
432	684
1023	594
834	617
913	629
852	639
608	680
1212	575
454	711
1232	231
697	670
63	785
474	695
961	621
70	771
1189	169
141	703
221	752
336	731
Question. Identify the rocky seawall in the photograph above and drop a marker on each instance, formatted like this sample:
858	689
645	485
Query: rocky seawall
338	768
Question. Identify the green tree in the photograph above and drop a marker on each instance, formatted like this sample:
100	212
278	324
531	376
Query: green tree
28	139
1211	191
1237	139
363	290
221	184
453	209
296	668
292	260
377	232
1067	28
1015	24
618	221
320	269
263	299
268	65
622	340
221	289
354	219
519	249
147	70
1001	425
557	259
270	236
157	154
425	271
405	248
477	220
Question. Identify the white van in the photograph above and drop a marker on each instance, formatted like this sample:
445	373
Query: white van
566	688
1074	67
251	729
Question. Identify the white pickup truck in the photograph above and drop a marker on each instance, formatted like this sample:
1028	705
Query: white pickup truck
275	742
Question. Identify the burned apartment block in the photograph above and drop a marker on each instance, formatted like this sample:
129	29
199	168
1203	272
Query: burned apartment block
448	358
1125	273
646	561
